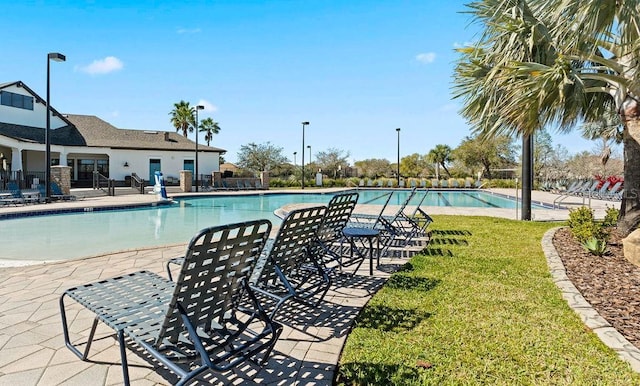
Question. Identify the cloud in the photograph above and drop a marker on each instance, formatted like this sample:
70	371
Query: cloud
103	66
426	57
208	106
188	30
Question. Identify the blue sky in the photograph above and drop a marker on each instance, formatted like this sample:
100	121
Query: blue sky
356	70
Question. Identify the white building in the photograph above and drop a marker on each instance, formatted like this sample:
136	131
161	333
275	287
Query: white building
87	144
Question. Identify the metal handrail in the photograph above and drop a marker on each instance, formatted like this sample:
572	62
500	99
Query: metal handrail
137	183
104	183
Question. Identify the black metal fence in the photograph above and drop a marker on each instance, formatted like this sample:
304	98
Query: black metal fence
25	180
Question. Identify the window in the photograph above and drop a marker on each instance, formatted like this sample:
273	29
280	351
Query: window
103	167
16	100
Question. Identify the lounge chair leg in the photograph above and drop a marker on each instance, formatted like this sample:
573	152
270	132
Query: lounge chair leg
123	357
65	332
90	340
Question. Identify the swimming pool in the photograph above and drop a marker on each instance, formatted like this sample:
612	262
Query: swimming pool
94	232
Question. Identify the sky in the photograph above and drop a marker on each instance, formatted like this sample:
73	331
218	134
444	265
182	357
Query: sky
355	70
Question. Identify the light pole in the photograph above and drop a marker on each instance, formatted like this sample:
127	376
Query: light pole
56	57
398	130
309	147
303	125
294	157
198	107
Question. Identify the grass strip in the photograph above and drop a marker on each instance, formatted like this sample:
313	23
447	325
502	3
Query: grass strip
477	306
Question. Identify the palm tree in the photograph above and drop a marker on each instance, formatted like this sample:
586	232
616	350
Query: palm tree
503	80
182	117
591	51
209	127
441	155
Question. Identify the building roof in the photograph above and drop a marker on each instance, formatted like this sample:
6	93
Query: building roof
91	131
100	133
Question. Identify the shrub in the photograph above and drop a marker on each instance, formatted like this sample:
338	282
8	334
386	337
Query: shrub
584	226
611	217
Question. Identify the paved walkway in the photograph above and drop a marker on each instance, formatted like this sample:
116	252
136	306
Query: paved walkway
32	350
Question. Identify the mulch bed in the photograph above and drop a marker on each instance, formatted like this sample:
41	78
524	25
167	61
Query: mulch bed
610	283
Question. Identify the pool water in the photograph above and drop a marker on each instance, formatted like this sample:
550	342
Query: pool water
79	234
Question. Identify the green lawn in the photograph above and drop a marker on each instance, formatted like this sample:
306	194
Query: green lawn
477	307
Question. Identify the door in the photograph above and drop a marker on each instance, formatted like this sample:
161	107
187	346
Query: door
188	165
154	166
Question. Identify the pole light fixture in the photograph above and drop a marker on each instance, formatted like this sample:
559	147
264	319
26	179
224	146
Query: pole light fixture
294	157
198	107
303	125
398	130
56	57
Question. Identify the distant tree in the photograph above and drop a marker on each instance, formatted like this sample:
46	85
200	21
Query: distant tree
441	155
608	130
260	157
182	117
414	165
373	167
542	153
209	127
332	160
477	154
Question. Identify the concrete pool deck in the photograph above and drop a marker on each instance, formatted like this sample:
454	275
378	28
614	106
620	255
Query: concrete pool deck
32	350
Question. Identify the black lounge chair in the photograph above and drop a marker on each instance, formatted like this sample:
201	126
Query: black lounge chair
396	230
329	240
196	323
290	269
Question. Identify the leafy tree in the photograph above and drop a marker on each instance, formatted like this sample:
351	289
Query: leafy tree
260	157
374	168
441	155
414	165
182	117
332	159
209	127
478	153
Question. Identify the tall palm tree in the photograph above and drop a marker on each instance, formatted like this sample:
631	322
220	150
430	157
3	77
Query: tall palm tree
209	127
182	117
485	79
441	155
592	55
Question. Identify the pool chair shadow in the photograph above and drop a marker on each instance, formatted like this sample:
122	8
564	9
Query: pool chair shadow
384	318
193	325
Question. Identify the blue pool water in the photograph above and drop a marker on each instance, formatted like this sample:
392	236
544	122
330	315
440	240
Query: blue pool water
72	235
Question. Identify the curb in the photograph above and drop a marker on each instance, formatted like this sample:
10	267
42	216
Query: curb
590	317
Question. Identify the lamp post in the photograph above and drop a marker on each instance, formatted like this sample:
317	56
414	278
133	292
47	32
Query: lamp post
303	125
56	57
398	130
309	147
294	157
198	107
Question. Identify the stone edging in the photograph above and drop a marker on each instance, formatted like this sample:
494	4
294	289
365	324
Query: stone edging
607	334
